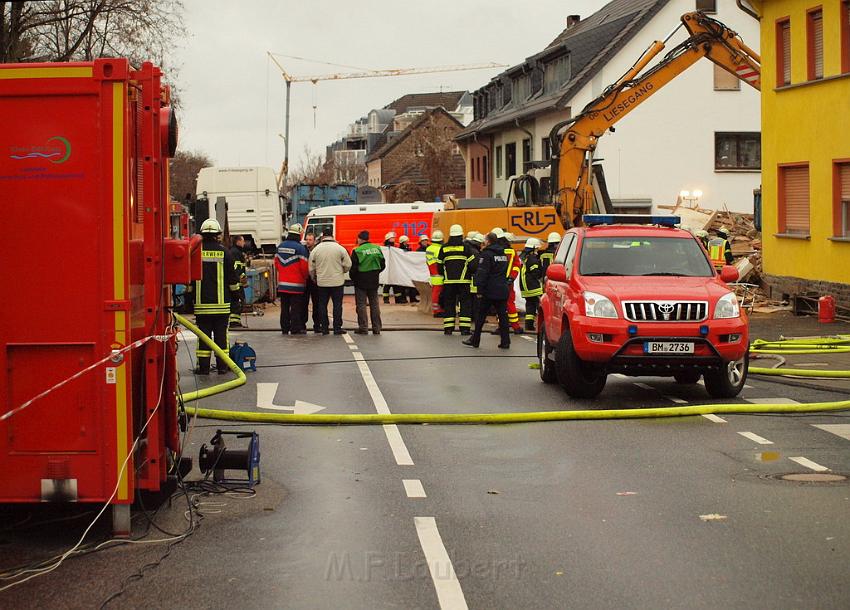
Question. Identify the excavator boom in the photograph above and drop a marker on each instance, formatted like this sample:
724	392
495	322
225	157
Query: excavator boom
575	140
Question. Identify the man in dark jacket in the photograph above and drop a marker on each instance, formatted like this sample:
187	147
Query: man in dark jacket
531	280
456	263
491	280
367	262
237	253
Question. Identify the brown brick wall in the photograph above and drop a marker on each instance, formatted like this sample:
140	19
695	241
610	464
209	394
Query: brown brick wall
777	286
478	164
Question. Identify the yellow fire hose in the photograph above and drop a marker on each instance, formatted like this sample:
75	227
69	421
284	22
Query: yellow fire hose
764	347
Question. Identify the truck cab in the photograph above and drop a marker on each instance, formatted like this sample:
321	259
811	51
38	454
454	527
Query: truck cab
635	295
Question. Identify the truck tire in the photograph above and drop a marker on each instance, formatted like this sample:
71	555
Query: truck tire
578	378
687	377
547	366
729	380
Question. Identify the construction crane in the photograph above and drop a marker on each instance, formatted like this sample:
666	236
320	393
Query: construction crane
387	72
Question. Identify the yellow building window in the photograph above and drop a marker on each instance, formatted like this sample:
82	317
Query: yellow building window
814	32
783	52
841	212
794	199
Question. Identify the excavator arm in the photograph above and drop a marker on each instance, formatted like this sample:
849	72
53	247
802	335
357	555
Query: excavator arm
575	140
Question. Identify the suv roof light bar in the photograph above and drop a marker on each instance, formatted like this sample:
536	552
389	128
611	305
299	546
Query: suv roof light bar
592	220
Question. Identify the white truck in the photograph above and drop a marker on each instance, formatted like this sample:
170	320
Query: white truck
254	206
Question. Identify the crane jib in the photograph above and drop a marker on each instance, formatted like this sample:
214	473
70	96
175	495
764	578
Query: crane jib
618	109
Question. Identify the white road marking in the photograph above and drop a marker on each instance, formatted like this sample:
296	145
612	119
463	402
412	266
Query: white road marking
773	401
714	418
756	438
809	464
352	347
676	399
449	593
413	488
265	400
399	449
527	338
842	430
348	339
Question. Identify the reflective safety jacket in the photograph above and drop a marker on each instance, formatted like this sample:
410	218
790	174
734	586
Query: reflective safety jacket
530	284
514	264
720	252
432	253
292	267
454	262
238	257
547	257
212	293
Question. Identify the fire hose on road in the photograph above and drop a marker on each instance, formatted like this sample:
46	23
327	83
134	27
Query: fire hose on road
839	344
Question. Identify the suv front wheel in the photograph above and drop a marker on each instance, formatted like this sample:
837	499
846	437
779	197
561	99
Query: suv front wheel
729	379
547	367
579	379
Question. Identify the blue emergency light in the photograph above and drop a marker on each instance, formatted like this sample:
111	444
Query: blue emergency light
592	220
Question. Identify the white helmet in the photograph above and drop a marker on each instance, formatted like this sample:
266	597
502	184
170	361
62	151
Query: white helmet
471	234
478	238
210	225
456	231
389	235
423	237
701	233
533	242
553	238
296	228
497	231
509	236
403	239
437	235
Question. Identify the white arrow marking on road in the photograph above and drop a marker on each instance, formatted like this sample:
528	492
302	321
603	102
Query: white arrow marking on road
265	400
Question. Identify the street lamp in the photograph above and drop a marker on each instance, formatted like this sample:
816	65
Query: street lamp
692	197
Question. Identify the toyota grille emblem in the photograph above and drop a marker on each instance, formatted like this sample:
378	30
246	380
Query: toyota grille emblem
666	309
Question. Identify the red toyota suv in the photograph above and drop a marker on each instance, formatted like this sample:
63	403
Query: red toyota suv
633	294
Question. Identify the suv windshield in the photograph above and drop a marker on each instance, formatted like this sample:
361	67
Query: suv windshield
643	256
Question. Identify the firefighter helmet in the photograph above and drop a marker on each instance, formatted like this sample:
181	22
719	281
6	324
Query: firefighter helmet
437	235
296	228
533	242
210	225
456	231
389	235
403	239
553	238
423	237
498	232
478	238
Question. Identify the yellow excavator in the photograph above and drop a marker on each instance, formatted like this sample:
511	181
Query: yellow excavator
574	141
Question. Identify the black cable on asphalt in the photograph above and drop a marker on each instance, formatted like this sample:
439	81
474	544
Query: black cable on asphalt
445	357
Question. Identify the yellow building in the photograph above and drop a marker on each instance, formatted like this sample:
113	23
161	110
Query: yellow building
805	47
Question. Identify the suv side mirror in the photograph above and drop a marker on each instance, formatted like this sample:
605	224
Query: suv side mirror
556	272
729	274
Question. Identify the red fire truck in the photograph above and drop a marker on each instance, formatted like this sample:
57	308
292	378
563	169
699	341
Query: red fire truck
88	376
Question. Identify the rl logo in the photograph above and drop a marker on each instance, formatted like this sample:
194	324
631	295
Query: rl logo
532	222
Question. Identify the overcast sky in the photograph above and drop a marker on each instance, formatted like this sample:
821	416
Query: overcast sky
233	97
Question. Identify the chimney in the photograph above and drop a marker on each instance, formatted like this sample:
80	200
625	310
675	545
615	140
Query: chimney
572	21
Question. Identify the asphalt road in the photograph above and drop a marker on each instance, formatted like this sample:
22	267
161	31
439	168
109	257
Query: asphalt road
669	513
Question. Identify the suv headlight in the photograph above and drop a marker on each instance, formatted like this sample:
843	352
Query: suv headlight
727	307
598	306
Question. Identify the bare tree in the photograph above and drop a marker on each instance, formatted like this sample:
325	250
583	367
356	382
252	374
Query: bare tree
311	169
183	173
84	30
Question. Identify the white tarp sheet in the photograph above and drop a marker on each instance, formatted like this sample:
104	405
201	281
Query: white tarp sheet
405	267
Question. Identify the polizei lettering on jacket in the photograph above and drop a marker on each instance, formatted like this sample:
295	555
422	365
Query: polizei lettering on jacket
634	96
500	258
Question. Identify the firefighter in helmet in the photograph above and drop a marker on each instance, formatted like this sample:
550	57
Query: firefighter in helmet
214	295
720	249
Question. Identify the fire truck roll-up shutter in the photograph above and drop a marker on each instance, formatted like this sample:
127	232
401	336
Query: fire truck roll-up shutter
796	199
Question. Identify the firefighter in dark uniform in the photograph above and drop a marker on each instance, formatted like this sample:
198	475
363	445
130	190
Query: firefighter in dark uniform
553	241
237	253
454	262
213	295
491	279
531	280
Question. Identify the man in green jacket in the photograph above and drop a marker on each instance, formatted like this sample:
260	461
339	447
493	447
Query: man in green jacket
367	262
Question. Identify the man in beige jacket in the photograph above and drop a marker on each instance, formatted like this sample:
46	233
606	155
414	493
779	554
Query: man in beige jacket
329	262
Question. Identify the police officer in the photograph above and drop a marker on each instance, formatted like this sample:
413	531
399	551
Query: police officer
213	295
548	255
432	252
531	281
491	279
367	262
454	262
237	252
